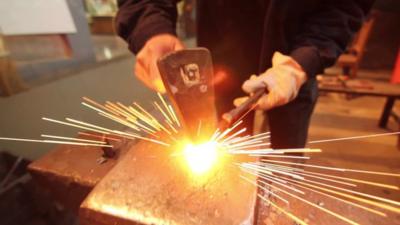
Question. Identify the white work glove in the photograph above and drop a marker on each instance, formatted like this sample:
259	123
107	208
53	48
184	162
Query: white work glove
283	81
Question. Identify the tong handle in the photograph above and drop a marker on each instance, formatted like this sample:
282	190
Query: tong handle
236	113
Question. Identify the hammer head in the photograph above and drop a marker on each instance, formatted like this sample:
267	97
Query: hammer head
188	78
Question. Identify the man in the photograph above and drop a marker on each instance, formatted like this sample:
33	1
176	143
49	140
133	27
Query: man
286	42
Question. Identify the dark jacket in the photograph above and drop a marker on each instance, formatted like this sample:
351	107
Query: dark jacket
314	32
242	36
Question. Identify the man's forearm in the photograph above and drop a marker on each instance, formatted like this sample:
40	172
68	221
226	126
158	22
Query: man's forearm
326	33
139	20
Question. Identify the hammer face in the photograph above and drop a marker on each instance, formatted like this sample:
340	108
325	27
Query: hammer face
188	78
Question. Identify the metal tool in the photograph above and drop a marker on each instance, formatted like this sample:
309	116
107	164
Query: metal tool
188	78
239	112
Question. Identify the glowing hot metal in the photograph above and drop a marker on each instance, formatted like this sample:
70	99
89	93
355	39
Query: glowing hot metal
202	157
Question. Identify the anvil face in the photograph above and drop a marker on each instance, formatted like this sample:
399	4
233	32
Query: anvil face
150	185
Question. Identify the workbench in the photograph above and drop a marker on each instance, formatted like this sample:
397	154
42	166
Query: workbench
363	87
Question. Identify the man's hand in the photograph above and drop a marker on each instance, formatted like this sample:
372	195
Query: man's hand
283	81
146	60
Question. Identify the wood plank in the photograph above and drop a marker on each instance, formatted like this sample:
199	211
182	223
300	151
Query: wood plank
361	87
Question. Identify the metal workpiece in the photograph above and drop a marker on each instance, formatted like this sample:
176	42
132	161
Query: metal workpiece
153	185
69	173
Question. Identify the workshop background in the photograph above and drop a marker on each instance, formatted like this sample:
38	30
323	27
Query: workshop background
45	72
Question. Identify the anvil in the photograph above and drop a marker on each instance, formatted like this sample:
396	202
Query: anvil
151	185
69	173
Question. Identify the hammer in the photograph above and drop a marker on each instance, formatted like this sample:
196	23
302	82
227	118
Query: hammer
188	78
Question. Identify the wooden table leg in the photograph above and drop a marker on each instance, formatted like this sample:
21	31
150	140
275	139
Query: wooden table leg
386	112
398	138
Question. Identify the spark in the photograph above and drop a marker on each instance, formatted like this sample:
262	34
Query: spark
223	134
99	136
72	139
174	115
275	180
289	179
74	125
354	137
264	189
288	214
54	142
162	111
338	191
128	121
199	128
313	204
356	180
281	156
168	108
335	168
343	200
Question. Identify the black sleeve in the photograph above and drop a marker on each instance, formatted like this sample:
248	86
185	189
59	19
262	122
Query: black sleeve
326	31
139	20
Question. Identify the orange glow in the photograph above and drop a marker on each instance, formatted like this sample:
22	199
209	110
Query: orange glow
225	80
220	76
201	157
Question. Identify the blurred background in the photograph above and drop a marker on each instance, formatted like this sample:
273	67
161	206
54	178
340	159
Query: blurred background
53	52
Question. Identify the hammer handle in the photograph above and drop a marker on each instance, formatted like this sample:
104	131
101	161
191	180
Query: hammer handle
233	115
